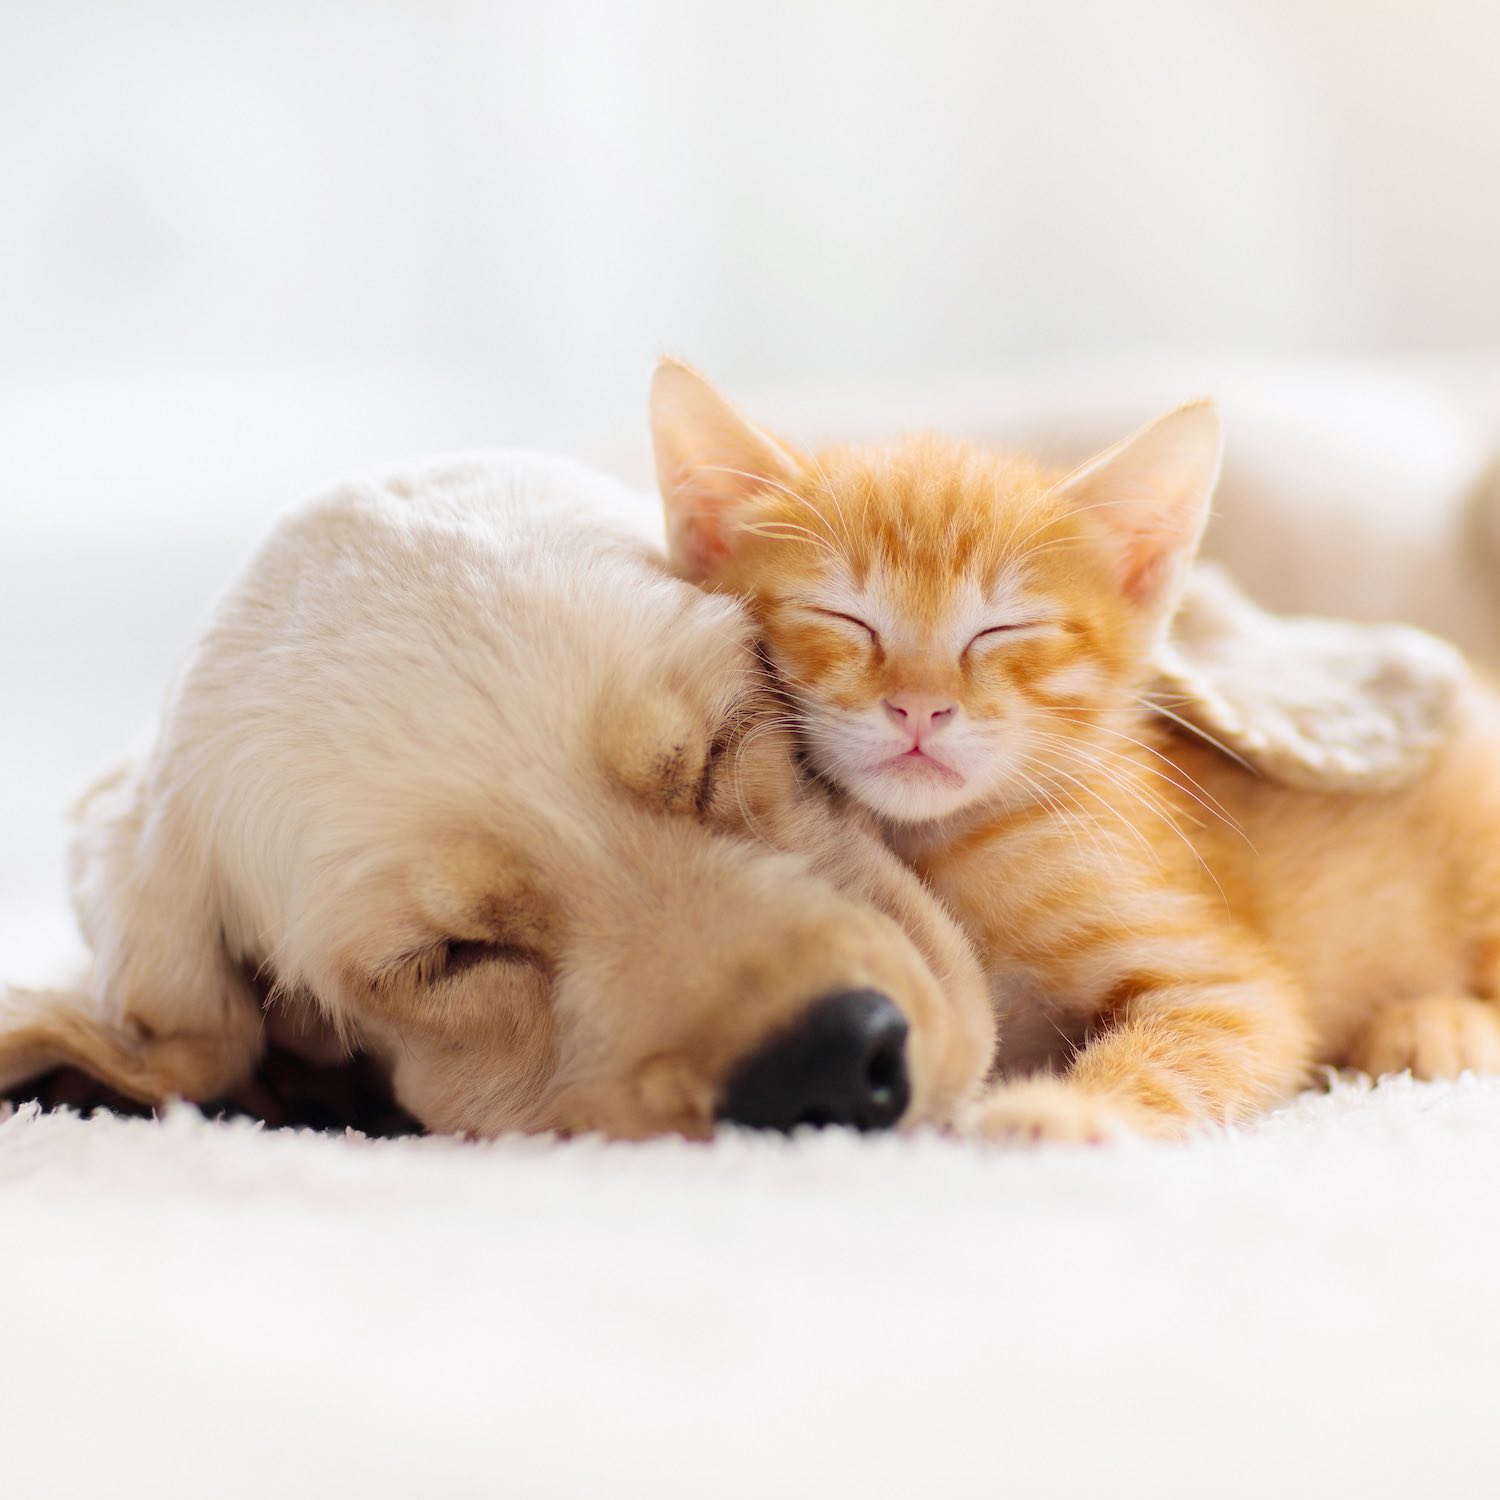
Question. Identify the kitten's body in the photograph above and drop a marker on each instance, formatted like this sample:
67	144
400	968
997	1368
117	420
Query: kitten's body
1205	977
965	639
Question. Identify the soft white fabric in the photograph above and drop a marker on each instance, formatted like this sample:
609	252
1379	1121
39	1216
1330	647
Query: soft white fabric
1305	1308
1317	703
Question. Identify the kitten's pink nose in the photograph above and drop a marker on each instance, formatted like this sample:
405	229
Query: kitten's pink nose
918	713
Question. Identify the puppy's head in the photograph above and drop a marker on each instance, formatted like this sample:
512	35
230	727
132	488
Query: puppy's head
566	874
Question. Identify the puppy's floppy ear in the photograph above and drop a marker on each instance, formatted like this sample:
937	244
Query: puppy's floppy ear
165	1010
1326	705
1148	499
710	464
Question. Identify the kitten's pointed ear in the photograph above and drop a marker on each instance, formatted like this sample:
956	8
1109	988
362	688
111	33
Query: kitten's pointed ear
710	462
1149	497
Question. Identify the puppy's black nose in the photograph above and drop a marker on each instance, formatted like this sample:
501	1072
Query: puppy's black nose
842	1063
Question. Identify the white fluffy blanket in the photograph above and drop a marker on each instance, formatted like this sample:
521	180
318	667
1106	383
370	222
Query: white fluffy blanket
1309	1307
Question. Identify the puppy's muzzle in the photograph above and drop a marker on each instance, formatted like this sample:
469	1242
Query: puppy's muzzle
842	1063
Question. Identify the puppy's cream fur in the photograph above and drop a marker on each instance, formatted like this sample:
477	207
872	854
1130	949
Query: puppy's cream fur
460	776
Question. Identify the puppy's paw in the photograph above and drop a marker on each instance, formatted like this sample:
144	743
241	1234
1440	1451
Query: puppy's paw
1033	1110
1437	1037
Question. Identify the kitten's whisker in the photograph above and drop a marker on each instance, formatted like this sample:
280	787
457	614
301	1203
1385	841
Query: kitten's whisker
1066	810
1079	817
833	496
1202	734
1190	786
1061	517
1037	551
1058	541
1029	510
770	484
802	500
799	683
838	538
1151	805
787	531
1018	548
1109	807
1089	755
737	778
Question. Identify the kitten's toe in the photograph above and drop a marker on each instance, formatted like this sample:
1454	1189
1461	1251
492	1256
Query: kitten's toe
1436	1037
1036	1110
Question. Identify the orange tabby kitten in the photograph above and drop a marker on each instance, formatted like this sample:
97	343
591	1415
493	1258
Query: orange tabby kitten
965	639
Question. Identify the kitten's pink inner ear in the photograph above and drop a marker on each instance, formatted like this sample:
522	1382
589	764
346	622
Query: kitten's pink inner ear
697	545
1150	497
711	462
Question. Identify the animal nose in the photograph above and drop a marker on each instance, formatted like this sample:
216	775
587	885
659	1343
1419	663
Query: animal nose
843	1063
917	712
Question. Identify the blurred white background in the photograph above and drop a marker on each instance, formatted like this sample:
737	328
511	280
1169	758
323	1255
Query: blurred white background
244	247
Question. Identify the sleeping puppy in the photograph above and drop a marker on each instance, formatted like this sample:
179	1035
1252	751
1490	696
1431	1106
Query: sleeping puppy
461	779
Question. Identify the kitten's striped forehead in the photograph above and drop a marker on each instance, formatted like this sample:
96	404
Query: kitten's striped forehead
928	519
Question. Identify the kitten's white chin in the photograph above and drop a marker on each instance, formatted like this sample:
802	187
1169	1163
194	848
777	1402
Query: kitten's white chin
911	792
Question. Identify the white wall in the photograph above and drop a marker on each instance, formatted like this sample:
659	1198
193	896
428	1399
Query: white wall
546	194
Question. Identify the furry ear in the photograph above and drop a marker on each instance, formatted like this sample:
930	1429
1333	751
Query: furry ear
1149	496
710	462
163	1010
167	1010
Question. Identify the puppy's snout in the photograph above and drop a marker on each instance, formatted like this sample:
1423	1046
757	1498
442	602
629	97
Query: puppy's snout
842	1063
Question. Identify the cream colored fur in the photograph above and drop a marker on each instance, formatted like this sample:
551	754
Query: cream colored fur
459	776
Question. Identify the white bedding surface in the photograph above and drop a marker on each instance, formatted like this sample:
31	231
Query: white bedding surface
1307	1307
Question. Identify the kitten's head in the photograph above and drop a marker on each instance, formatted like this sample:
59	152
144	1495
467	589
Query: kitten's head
952	625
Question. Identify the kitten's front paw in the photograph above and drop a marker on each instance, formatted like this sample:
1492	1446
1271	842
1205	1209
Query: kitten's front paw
1438	1037
1033	1110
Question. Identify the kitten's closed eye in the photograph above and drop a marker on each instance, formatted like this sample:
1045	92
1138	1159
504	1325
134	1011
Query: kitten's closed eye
839	617
994	633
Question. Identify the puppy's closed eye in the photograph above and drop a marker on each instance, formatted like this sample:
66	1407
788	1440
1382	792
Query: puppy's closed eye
462	954
449	959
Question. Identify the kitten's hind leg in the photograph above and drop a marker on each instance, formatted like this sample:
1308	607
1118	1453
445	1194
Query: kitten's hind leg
1438	1036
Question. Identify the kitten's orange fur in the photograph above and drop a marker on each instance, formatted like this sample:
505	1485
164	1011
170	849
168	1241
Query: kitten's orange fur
1180	941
